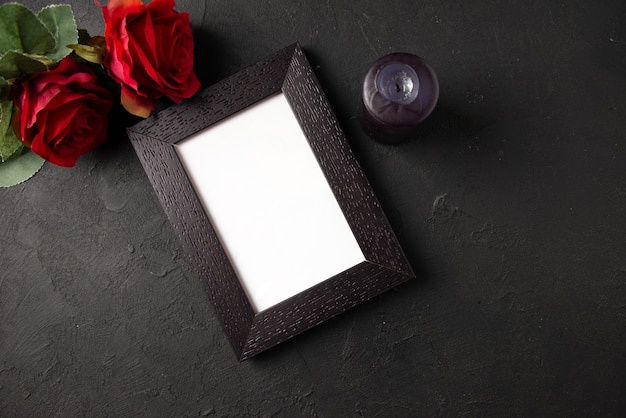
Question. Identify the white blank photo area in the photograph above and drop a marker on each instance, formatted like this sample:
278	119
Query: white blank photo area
269	201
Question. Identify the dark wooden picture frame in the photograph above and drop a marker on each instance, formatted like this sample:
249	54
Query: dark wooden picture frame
155	140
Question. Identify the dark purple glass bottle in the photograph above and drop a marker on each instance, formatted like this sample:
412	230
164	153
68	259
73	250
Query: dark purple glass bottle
399	91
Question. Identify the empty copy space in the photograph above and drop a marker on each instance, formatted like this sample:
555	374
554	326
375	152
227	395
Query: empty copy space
269	201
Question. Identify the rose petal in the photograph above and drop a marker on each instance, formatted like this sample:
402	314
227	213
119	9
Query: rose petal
161	7
150	46
136	105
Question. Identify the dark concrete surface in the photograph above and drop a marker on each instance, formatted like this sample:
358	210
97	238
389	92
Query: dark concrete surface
509	203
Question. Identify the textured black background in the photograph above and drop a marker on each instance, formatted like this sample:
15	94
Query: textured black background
509	204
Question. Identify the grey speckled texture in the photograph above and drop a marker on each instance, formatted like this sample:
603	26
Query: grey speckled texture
509	205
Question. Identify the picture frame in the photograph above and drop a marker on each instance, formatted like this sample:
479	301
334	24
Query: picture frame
260	158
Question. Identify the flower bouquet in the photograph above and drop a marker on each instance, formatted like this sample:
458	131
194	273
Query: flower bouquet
58	84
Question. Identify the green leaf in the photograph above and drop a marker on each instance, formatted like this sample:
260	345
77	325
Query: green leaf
93	51
21	30
88	53
20	169
9	143
5	90
59	19
15	64
12	148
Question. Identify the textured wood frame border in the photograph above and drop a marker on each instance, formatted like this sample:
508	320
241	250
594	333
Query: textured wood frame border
250	333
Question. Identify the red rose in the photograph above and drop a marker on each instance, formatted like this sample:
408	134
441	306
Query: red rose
62	113
149	51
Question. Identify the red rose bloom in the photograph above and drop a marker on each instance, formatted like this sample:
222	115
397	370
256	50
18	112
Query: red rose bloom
62	113
149	51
